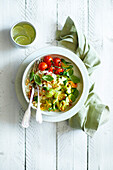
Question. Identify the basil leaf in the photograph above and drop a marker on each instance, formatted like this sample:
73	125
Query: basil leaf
65	62
46	88
69	67
31	76
74	95
47	78
70	72
36	99
73	90
37	79
74	79
73	98
65	73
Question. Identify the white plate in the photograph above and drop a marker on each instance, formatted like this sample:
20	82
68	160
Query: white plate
53	50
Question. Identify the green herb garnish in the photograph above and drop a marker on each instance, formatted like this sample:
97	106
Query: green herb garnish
70	72
36	99
47	78
67	67
31	76
46	88
74	94
74	79
65	73
73	98
73	90
65	62
37	79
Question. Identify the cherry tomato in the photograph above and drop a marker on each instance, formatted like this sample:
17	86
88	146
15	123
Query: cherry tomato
52	69
42	66
57	62
48	59
48	65
59	71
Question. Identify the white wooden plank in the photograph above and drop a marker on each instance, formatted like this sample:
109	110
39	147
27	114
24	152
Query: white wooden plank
12	136
100	34
43	15
71	148
41	146
72	144
41	139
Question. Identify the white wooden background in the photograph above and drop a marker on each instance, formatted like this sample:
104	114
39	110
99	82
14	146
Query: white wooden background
54	146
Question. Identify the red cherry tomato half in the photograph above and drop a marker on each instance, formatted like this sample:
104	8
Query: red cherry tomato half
42	66
48	59
52	69
59	71
57	62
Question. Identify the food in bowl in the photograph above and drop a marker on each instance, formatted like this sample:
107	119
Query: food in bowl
60	83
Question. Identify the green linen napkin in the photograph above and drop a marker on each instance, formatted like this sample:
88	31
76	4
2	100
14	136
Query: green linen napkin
93	113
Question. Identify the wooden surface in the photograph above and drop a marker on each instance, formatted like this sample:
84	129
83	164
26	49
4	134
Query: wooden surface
54	146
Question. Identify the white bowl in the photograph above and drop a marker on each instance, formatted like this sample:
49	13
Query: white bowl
19	45
75	59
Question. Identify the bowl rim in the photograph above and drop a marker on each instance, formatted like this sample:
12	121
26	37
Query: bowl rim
19	45
72	56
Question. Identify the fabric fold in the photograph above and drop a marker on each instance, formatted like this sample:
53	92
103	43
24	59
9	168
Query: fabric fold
94	112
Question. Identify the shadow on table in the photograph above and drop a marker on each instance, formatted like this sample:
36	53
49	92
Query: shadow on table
5	41
63	127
